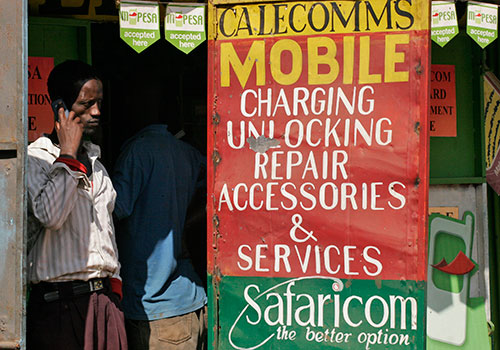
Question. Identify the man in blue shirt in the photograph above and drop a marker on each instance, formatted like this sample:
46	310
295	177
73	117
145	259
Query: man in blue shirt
164	300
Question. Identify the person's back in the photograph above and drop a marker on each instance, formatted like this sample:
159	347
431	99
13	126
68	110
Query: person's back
155	178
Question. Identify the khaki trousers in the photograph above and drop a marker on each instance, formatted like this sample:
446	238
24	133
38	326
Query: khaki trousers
184	332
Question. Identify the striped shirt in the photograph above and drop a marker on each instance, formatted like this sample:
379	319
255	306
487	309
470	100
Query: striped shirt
70	224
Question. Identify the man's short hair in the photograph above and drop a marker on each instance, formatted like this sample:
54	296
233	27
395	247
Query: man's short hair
66	80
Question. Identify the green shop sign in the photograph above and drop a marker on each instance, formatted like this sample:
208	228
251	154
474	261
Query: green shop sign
444	24
139	25
185	26
319	313
482	21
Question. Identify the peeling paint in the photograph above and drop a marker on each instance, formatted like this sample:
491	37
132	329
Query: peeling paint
216	118
419	69
216	158
215	221
417	181
261	144
417	128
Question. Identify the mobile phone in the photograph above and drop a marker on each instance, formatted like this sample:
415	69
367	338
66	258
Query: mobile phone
56	105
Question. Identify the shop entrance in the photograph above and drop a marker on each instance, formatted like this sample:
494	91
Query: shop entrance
161	85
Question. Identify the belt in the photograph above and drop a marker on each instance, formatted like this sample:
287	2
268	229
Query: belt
52	291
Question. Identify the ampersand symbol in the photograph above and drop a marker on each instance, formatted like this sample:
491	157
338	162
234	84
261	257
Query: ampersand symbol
296	221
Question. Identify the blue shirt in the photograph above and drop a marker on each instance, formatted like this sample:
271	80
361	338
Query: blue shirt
155	178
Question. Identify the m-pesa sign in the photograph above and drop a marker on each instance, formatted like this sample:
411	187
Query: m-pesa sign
318	174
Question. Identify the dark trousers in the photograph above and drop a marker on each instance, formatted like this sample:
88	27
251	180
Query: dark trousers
89	321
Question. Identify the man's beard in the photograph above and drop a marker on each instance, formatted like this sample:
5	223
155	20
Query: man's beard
93	134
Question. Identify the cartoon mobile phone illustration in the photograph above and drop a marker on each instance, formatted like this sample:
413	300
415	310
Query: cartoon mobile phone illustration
447	302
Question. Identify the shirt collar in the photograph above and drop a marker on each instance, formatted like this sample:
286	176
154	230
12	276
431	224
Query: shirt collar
162	128
93	150
154	128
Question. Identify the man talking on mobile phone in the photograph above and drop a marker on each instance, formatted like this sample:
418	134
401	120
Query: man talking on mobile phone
73	266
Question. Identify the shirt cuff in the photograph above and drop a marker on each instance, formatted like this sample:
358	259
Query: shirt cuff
73	164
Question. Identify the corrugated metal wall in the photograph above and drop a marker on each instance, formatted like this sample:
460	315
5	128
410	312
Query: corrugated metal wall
13	114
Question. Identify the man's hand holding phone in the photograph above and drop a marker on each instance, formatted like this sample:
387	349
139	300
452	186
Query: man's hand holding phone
69	129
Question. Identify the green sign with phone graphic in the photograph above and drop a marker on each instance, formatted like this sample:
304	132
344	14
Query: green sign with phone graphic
482	22
139	25
444	24
185	26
